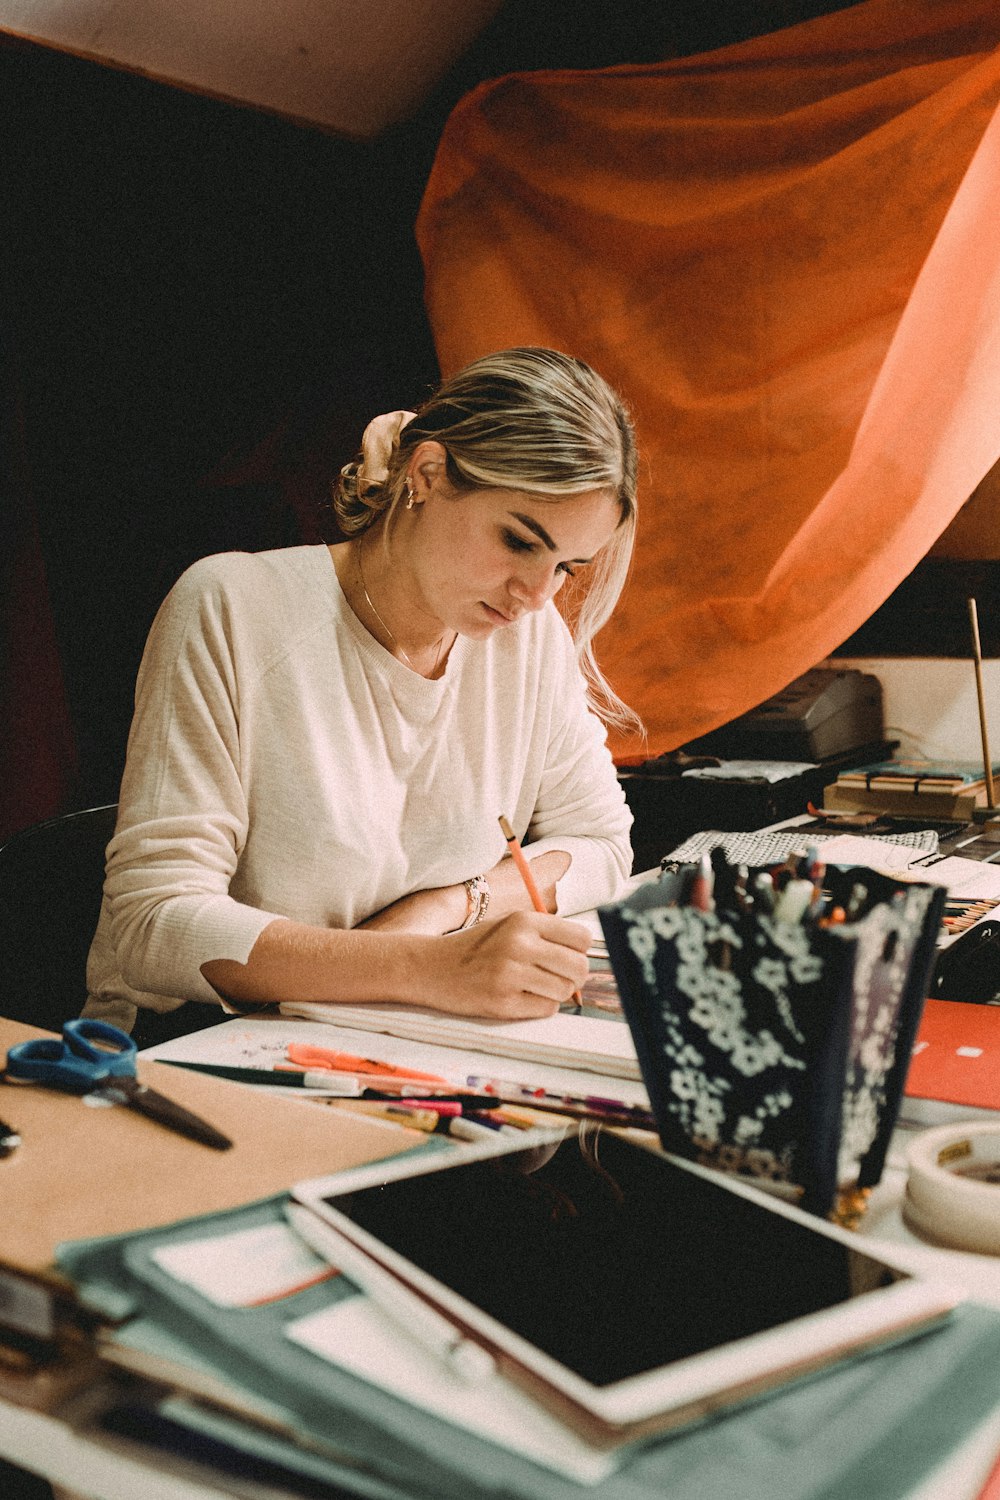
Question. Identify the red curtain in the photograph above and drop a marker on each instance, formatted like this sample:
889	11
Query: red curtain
786	255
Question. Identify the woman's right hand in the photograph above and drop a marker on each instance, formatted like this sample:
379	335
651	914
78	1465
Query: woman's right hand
522	966
512	968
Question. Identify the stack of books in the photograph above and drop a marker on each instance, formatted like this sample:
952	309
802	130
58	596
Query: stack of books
935	789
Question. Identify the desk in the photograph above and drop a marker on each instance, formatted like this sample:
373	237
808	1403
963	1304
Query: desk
70	1454
88	1464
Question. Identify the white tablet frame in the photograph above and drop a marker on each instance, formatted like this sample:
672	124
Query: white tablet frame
690	1388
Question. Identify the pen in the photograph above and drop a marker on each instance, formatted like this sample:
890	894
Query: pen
763	892
588	1106
524	870
531	1093
521	1118
376	1085
450	1104
461	1356
632	1116
794	900
346	1085
342	1084
479	1126
464	1128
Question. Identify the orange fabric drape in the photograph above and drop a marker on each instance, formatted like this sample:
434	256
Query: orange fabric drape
786	255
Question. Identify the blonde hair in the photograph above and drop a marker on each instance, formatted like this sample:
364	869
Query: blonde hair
536	421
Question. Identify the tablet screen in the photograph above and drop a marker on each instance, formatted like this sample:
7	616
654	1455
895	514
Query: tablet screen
611	1259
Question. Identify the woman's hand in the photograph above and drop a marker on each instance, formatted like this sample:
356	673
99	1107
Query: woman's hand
524	965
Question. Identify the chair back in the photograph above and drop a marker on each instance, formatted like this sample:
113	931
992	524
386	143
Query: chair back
51	880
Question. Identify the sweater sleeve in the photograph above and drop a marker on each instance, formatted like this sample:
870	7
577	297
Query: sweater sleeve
580	806
183	809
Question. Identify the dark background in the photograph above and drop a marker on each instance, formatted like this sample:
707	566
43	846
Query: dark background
200	307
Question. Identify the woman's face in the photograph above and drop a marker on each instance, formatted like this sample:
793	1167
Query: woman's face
483	558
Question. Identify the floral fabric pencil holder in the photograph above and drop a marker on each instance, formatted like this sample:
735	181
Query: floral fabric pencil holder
773	1048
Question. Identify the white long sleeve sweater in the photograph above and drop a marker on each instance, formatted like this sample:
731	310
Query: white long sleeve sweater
281	763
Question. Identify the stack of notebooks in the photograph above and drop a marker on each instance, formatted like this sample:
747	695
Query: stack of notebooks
935	789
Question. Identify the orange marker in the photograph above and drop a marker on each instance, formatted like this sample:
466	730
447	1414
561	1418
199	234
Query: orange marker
524	870
304	1055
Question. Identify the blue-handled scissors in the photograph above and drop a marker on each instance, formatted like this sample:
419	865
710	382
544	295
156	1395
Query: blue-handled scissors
95	1057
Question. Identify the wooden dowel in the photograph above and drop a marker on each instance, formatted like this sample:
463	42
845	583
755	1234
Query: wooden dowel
977	656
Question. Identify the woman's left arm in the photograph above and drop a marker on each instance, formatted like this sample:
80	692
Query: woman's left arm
446	908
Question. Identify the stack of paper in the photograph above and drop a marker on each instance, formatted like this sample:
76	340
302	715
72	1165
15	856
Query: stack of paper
591	1044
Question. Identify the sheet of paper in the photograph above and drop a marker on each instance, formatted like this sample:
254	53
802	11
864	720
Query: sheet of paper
963	877
751	770
877	854
260	1042
246	1267
357	1336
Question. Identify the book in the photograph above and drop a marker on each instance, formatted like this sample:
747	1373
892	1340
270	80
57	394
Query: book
82	1172
917	775
936	805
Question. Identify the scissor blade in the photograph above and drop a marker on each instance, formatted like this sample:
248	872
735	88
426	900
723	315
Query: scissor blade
158	1107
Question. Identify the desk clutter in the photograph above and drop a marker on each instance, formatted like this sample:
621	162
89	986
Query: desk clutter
316	1385
760	1020
222	1340
83	1168
766	765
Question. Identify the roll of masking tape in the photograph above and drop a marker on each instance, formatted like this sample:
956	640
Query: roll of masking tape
953	1188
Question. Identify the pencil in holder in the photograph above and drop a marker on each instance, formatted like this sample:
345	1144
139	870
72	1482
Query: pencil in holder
777	1048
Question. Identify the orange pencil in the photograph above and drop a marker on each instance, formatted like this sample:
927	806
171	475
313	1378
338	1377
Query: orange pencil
524	870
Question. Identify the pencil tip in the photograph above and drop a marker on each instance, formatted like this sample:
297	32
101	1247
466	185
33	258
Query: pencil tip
506	829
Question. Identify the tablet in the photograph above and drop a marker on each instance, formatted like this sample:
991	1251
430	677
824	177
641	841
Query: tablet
629	1291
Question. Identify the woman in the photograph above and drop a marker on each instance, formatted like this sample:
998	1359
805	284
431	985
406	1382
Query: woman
324	738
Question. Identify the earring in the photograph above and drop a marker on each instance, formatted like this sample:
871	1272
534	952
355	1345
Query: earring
409	493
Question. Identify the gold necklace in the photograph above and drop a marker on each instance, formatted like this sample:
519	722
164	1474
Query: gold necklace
396	645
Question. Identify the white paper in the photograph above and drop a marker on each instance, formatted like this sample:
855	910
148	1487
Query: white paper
963	877
357	1336
245	1267
261	1041
751	770
579	1042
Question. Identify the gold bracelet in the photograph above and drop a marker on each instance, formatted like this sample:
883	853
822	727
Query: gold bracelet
478	891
